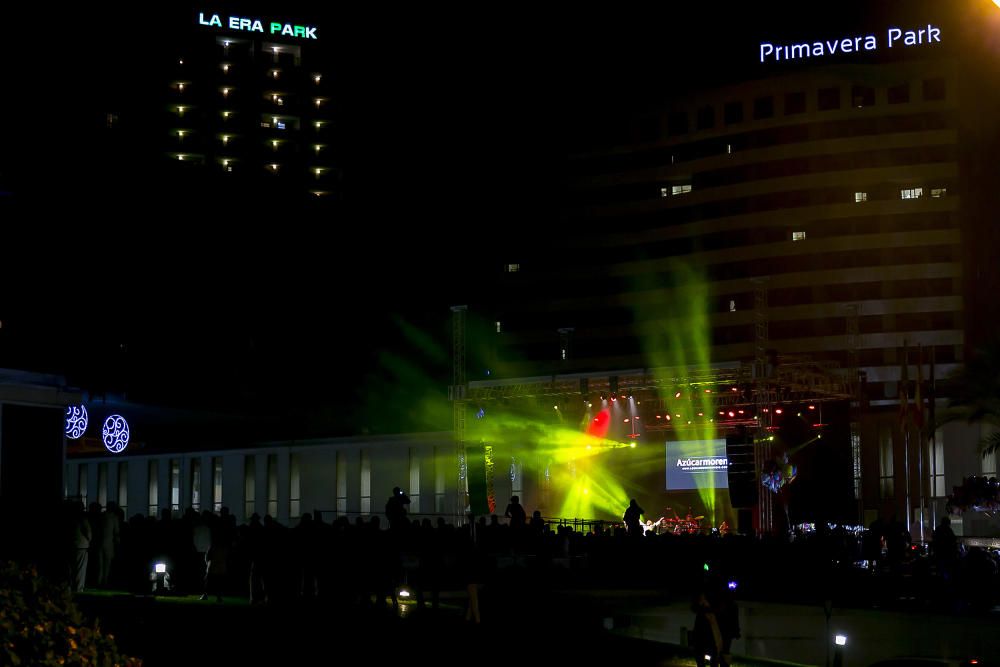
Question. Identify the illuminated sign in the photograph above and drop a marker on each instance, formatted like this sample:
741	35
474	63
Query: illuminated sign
707	463
241	24
115	433
697	465
76	421
895	38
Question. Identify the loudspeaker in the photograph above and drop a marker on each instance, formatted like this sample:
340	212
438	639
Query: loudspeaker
742	476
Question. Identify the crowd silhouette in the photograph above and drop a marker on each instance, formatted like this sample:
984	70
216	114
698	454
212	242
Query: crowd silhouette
354	561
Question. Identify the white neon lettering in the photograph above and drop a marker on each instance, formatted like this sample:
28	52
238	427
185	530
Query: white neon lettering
769	51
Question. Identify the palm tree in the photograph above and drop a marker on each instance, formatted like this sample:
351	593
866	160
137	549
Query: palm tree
974	392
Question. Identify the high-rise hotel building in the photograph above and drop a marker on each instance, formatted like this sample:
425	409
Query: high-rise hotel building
249	98
832	208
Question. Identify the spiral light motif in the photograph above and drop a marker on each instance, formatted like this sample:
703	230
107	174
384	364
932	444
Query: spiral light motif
115	433
76	421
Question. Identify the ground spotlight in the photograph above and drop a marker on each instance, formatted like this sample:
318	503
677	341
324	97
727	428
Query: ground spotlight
159	578
840	640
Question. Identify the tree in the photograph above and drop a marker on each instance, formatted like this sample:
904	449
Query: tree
974	393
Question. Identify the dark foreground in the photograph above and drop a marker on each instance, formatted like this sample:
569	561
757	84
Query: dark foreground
518	627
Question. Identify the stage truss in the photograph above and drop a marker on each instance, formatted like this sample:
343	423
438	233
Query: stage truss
730	387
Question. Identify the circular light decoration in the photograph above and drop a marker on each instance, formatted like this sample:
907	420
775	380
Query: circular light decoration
115	433
76	421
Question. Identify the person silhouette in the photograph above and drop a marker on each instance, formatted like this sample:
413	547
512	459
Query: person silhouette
395	509
515	512
631	518
945	549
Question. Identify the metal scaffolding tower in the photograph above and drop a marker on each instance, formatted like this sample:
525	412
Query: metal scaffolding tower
762	402
457	393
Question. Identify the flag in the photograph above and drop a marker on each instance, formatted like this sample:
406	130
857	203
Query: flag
904	403
918	403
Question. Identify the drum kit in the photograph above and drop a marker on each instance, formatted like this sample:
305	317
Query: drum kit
688	525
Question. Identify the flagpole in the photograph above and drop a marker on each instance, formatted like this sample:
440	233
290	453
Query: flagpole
903	408
932	439
919	408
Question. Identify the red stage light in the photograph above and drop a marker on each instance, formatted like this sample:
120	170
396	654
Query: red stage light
599	427
812	407
778	411
732	414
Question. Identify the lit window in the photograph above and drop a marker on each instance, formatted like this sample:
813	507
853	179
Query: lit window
732	305
274	167
180	87
319	124
180	111
227	114
664	192
564	354
680	189
225	140
729	149
798	236
318	171
274	74
274	144
180	134
937	193
513	268
860	197
225	92
317	78
911	193
319	101
317	147
225	68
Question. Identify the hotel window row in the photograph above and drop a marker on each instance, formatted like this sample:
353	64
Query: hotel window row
796	102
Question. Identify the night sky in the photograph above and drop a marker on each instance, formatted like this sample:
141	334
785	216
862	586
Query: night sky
456	122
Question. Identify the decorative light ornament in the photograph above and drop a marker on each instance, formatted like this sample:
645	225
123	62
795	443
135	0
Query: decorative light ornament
115	433
76	421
